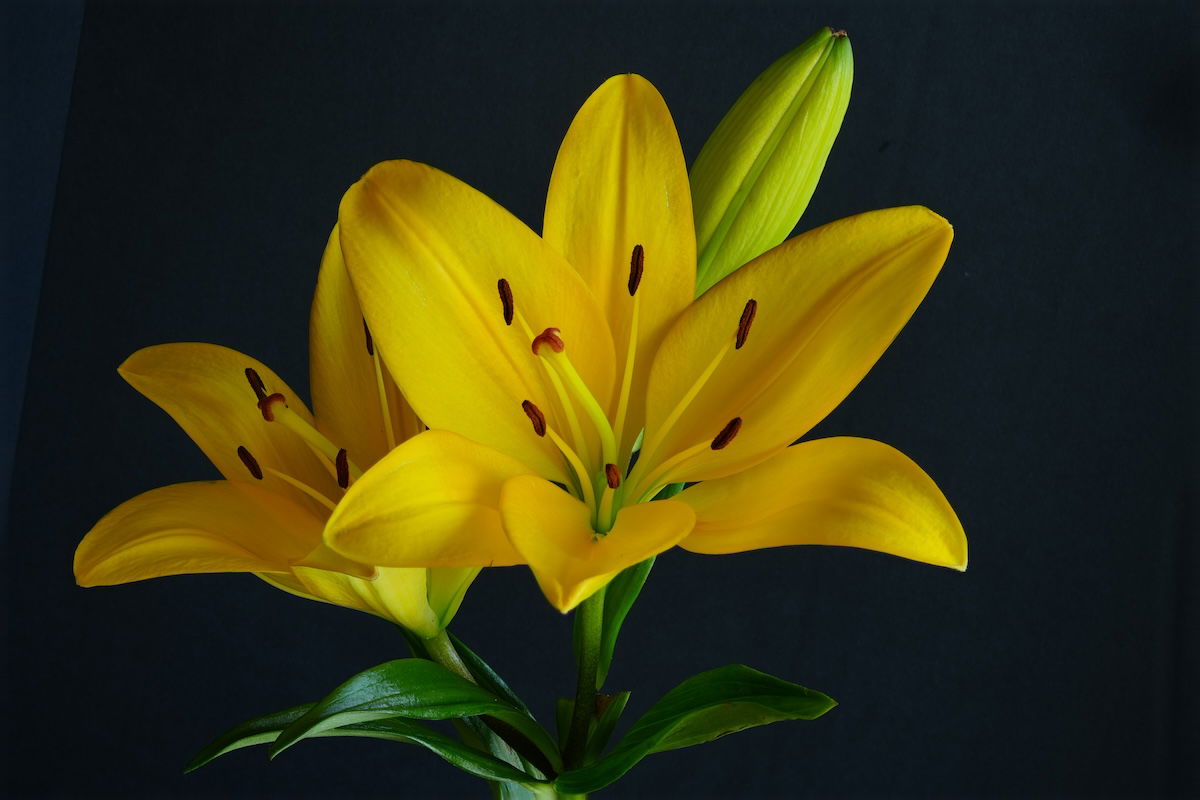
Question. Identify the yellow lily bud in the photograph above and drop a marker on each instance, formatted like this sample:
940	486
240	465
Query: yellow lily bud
757	171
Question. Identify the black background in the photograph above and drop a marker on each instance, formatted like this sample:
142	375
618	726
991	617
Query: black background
1047	383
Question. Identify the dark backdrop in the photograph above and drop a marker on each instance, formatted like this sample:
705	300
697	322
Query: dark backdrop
1047	383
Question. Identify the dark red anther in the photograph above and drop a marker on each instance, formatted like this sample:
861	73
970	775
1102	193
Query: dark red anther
536	417
343	468
267	405
636	262
745	322
506	300
727	433
613	475
260	391
548	337
370	341
250	462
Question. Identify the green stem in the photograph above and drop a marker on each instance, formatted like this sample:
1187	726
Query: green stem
590	621
441	650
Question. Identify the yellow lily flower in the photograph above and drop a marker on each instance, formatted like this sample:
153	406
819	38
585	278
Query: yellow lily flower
541	362
285	470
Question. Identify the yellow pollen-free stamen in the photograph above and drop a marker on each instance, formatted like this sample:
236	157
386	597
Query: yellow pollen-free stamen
581	475
304	487
384	406
688	396
627	374
606	515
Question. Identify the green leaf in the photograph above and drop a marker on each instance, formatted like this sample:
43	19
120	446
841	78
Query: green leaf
702	708
619	597
604	723
485	676
756	173
416	689
266	728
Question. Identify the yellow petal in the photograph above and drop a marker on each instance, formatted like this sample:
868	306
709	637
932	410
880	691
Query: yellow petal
426	253
346	391
841	491
204	389
553	533
431	502
212	526
829	302
756	173
424	601
395	594
620	181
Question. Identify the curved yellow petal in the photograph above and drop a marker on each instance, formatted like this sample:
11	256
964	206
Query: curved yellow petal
348	394
553	533
840	491
204	389
426	253
620	181
424	601
210	526
431	502
829	302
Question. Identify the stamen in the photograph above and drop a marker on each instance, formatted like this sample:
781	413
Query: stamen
267	405
636	262
304	487
384	409
581	476
506	300
535	416
579	390
343	468
550	338
260	391
745	322
250	462
370	341
613	475
727	433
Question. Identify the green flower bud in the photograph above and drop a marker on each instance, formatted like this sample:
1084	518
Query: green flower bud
758	169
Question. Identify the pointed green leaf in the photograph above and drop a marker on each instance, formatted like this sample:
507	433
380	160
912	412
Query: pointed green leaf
485	676
619	597
759	168
266	728
702	708
416	689
612	706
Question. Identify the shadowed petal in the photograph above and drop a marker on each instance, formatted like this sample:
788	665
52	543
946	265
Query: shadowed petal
211	526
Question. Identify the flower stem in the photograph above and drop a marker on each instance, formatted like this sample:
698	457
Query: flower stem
441	650
589	620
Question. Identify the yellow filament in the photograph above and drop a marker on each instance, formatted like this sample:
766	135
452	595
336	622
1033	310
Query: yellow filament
293	422
563	399
651	447
383	401
585	483
627	377
304	487
657	478
605	515
566	370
